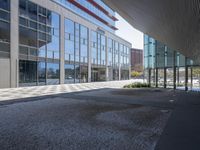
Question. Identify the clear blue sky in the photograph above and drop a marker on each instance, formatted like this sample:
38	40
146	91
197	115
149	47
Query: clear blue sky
127	32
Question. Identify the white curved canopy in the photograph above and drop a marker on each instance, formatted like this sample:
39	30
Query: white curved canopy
173	22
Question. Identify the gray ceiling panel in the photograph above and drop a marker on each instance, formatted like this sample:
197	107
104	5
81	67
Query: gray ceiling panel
173	22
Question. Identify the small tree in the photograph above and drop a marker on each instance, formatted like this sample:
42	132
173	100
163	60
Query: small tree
135	74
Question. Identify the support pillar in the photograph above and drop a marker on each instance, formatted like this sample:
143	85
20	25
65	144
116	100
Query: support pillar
174	80
62	49
149	77
191	77
107	68
165	77
14	44
156	76
178	76
89	57
174	70
186	75
119	72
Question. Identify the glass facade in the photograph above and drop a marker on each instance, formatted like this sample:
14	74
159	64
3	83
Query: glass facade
76	52
94	9
124	62
165	67
98	59
39	44
116	61
88	52
4	28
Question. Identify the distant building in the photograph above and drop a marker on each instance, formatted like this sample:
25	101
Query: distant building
136	59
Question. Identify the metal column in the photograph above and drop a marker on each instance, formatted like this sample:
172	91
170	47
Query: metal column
165	78
156	77
174	70
186	75
149	77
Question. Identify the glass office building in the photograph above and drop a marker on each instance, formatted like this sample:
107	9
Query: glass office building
165	67
60	42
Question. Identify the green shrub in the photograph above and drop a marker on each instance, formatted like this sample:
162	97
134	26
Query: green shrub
137	85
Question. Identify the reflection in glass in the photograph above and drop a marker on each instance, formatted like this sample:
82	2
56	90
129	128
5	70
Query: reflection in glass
39	38
84	44
77	74
160	77
115	74
4	28
41	73
69	40
94	47
53	73
69	74
27	73
124	74
98	74
170	79
84	74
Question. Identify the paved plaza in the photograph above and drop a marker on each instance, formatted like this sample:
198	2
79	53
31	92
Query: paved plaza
97	116
25	92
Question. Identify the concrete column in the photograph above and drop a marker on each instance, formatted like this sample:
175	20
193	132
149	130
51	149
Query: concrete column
119	71
62	49
14	44
89	56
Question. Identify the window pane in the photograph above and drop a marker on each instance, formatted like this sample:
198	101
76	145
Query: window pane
69	73
5	4
53	73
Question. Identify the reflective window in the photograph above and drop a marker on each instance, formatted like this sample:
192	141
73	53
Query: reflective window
94	9
69	73
27	73
103	50
4	28
39	39
42	73
53	40
98	74
116	74
94	47
83	74
53	73
76	51
84	44
110	51
116	54
69	40
77	74
5	4
27	37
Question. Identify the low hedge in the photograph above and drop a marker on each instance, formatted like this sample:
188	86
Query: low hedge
137	85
